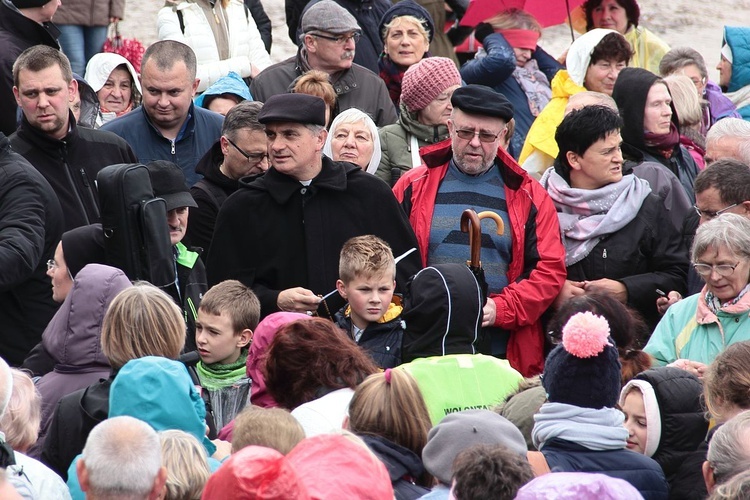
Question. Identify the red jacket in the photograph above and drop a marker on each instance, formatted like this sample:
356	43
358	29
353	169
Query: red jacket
537	271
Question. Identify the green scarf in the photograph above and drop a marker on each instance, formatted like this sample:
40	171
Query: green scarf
216	376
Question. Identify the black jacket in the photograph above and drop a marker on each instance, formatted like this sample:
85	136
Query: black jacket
644	255
404	467
191	276
17	33
683	425
688	483
274	233
76	414
261	21
382	341
209	193
30	228
70	165
442	312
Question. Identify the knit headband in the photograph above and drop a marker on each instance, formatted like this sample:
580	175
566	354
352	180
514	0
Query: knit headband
521	39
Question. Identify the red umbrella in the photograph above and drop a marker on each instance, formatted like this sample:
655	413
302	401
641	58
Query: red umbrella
547	12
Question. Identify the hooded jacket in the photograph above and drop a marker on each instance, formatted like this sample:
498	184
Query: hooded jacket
442	312
71	165
73	337
303	229
17	33
536	272
630	94
403	465
160	392
209	193
674	413
381	339
541	135
231	83
738	39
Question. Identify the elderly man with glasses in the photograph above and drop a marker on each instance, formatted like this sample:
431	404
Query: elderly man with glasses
328	43
241	151
525	264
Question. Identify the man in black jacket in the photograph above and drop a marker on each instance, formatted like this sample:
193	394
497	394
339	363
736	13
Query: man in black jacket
23	24
30	228
68	156
240	151
281	233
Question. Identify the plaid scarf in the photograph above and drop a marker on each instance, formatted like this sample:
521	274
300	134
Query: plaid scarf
392	74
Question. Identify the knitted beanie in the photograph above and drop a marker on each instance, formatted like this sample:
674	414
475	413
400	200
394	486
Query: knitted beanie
426	80
584	370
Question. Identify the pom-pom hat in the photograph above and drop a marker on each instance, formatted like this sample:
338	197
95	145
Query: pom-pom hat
584	370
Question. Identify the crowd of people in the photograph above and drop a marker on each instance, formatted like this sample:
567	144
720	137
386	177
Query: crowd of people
324	335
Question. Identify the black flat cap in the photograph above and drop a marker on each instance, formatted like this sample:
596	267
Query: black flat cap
168	182
481	100
295	108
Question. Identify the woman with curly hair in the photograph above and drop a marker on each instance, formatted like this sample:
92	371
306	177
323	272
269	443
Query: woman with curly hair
312	369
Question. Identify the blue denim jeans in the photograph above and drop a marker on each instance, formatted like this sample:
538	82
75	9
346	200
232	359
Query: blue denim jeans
79	43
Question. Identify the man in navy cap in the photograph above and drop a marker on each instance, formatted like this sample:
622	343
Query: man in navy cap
525	265
281	233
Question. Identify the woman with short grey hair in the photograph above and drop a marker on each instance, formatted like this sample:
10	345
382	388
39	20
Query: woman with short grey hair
695	330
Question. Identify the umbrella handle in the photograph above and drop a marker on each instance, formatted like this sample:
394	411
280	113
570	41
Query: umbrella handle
487	214
470	224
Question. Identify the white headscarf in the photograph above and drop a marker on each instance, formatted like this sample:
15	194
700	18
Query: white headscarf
101	65
354	115
579	53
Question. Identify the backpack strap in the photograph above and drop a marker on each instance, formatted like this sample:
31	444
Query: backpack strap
538	463
215	193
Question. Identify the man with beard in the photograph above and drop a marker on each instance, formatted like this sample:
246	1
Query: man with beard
330	34
525	265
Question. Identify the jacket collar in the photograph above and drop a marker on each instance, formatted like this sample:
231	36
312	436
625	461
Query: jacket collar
333	177
44	141
704	315
188	128
27	29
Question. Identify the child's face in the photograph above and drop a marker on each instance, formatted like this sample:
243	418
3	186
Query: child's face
369	297
635	421
216	339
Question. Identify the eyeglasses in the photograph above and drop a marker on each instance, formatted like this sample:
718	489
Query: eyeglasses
712	215
721	269
341	39
251	157
51	264
469	134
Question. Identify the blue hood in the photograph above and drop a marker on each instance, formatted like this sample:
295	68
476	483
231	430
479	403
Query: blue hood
229	84
159	391
739	41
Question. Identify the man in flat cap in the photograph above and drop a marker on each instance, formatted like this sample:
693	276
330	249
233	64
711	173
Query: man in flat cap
525	265
281	233
328	43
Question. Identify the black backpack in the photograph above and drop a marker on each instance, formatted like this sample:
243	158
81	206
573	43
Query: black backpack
136	234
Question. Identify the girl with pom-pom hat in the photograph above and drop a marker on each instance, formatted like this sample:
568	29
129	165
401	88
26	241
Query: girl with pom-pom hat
580	429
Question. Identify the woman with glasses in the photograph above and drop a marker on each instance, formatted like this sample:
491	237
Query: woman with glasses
696	329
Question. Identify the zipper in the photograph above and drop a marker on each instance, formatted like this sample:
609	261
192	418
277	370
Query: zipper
68	168
173	148
604	261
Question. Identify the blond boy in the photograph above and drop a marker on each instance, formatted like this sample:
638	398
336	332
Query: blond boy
228	314
367	279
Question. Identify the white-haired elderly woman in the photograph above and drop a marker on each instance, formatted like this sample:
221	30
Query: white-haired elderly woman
353	137
695	330
116	84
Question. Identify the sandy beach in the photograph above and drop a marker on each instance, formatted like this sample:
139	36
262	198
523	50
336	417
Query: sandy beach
697	24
